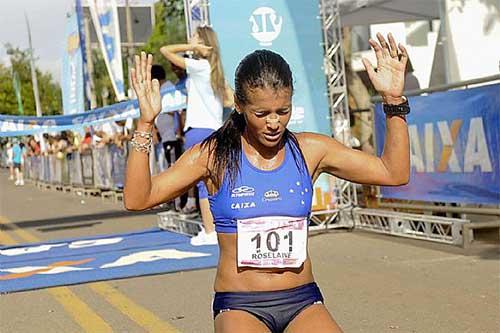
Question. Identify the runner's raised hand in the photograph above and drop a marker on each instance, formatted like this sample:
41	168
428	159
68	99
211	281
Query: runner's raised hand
147	91
388	78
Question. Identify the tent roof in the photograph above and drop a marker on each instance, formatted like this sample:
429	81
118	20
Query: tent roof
365	12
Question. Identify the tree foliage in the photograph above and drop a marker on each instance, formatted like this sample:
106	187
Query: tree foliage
49	90
170	28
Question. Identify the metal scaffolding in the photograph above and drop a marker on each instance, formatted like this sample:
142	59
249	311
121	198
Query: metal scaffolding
344	192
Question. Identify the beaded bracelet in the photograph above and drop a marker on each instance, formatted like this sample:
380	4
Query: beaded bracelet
142	147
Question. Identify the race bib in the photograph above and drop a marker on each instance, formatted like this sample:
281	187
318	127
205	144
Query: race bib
272	241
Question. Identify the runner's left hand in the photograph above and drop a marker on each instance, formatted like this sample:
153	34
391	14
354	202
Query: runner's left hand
389	77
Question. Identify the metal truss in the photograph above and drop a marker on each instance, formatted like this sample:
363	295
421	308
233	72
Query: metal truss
417	226
173	221
343	191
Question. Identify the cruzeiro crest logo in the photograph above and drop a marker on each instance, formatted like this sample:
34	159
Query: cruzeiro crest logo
266	25
271	195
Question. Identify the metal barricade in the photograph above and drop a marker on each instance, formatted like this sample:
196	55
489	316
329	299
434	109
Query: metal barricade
87	168
27	167
118	164
52	169
57	175
45	169
35	167
65	170
75	169
102	168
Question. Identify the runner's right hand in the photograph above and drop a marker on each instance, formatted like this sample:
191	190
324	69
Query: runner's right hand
146	90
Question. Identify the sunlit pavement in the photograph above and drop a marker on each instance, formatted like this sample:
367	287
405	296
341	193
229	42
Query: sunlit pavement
371	283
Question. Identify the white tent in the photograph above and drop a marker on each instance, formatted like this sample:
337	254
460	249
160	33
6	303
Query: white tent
365	12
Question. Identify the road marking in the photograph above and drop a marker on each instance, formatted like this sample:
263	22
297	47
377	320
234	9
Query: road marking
5	239
135	312
79	310
21	234
84	315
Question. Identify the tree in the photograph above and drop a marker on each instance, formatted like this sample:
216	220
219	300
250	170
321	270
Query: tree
170	28
49	90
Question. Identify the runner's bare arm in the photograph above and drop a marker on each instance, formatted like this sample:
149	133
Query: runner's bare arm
393	167
325	154
143	191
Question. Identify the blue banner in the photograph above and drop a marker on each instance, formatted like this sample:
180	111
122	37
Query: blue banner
105	18
173	99
290	28
81	29
72	69
454	140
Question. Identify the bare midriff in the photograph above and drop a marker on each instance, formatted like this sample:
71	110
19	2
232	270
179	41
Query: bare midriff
230	277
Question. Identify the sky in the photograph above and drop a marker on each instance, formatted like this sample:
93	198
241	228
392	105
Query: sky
47	21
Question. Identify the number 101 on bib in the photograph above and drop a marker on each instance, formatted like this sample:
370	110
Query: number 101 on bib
272	242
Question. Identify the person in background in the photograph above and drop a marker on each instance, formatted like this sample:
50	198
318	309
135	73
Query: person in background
206	88
10	162
411	81
35	147
167	126
19	152
86	142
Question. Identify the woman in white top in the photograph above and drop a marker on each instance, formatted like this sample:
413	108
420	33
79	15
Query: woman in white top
206	87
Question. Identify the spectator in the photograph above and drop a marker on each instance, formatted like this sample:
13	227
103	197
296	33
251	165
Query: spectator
19	152
10	161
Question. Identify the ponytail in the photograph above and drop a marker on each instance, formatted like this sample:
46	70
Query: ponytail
224	146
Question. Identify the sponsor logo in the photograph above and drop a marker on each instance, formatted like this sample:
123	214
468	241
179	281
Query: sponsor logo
243	191
266	25
271	195
242	205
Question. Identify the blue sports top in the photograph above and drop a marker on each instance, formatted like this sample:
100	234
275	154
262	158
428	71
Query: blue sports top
283	191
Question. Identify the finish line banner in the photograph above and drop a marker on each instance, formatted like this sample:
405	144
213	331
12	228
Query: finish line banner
454	147
173	98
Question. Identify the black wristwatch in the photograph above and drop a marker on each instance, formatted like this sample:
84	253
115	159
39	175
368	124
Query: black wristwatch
397	109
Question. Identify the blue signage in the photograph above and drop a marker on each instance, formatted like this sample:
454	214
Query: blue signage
454	140
290	28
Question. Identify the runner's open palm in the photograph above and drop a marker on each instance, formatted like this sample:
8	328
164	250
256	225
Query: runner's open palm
389	77
147	91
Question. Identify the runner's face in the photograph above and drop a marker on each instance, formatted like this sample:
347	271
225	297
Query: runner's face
267	114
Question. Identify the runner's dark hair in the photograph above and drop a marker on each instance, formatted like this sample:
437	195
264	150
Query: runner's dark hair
260	69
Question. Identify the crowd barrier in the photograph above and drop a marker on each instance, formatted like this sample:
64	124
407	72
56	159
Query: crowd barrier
99	169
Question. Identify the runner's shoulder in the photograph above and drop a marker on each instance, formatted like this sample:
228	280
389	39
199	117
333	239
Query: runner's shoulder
311	141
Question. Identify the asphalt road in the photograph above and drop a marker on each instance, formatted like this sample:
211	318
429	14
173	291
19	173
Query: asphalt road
371	282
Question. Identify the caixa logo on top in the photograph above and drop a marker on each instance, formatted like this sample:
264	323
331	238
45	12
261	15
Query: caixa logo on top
266	25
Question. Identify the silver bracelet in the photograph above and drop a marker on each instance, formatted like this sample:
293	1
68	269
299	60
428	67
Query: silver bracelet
142	147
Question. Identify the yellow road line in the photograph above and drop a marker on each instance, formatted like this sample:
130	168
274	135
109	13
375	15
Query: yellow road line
5	239
135	312
21	234
79	310
85	316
